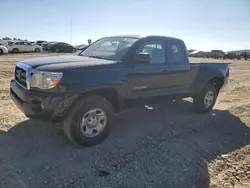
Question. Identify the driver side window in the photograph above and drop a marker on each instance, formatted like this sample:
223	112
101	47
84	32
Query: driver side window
155	50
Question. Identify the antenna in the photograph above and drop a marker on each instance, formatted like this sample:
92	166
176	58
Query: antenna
70	29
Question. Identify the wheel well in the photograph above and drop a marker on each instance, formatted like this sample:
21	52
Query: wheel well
109	94
218	82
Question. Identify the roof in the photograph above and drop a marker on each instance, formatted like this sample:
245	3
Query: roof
144	36
128	36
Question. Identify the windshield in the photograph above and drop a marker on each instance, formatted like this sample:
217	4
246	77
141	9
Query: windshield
110	48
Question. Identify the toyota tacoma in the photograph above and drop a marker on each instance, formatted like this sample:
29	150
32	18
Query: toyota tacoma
86	90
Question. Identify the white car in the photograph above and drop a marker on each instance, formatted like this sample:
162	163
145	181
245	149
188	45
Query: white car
22	46
3	50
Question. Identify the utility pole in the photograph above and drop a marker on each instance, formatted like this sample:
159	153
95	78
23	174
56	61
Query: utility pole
70	29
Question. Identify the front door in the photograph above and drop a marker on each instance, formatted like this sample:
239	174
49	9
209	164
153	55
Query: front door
28	47
146	80
21	47
69	48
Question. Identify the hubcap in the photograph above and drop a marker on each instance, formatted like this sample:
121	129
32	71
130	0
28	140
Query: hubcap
93	122
209	99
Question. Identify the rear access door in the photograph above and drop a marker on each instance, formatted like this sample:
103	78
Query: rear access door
179	76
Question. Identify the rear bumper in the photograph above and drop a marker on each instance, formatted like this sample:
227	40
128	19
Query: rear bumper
41	105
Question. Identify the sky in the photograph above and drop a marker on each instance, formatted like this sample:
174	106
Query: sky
202	24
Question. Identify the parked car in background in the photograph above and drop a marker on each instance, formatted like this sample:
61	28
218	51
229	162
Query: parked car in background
32	43
201	54
39	42
218	54
81	47
3	49
61	47
245	55
197	54
4	43
193	53
22	46
46	45
231	55
209	54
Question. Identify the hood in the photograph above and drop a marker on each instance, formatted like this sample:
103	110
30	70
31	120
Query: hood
67	62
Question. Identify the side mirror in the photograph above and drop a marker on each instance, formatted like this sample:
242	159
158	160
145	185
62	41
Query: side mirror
142	57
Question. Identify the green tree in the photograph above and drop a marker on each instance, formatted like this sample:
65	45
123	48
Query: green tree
6	38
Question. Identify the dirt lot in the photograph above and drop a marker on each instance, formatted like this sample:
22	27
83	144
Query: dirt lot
167	146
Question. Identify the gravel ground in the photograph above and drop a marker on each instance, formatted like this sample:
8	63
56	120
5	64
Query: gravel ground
167	145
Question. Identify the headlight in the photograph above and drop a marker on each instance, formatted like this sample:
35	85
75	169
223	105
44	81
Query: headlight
45	80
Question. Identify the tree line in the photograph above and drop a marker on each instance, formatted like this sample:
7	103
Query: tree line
9	38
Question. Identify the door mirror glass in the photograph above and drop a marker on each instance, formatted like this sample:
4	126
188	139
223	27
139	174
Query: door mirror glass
142	57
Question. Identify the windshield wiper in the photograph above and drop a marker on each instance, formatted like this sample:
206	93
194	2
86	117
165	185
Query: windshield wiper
94	56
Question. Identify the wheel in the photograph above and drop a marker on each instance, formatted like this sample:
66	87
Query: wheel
1	51
37	50
15	50
57	50
89	121
204	102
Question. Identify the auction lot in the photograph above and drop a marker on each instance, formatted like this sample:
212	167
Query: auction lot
167	145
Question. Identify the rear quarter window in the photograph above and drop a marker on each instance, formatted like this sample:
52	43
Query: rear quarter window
176	52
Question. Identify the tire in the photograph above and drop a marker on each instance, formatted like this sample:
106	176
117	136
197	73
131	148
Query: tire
73	121
200	101
15	50
37	50
1	51
57	50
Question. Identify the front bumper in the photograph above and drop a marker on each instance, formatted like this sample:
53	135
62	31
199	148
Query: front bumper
41	105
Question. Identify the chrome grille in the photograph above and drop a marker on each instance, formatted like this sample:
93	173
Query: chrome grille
20	76
23	74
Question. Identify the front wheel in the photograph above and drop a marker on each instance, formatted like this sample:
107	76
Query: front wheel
15	50
205	101
1	51
89	121
37	50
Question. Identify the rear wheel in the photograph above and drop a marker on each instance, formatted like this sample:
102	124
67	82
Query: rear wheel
57	50
89	121
205	101
15	50
37	50
1	51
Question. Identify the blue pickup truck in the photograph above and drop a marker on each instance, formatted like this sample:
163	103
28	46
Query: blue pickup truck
86	90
